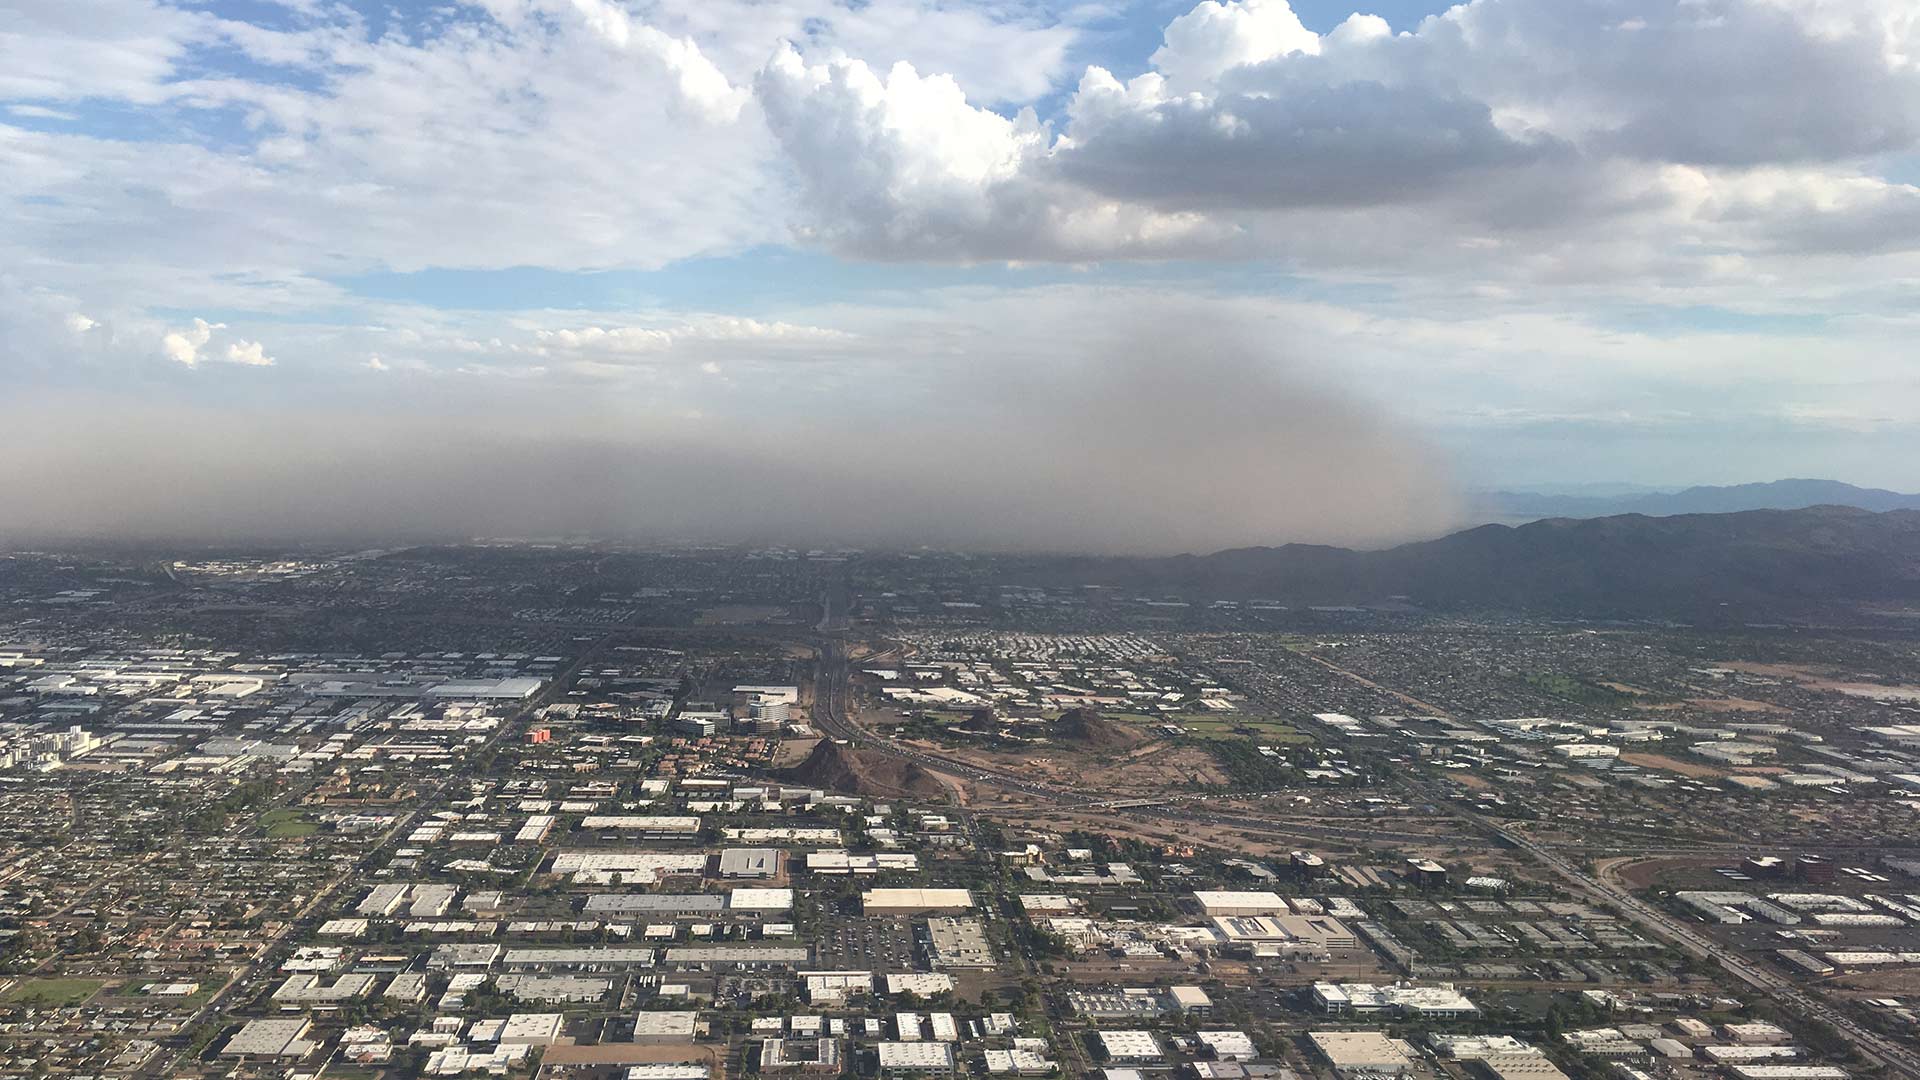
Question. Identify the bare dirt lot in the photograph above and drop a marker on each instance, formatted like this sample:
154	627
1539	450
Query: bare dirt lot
1153	769
1674	765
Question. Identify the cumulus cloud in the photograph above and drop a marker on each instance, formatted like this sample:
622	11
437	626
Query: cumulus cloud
183	346
188	347
1563	161
904	165
1216	37
249	353
1505	122
1352	144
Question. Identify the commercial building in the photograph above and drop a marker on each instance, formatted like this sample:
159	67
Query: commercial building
1519	1067
557	988
1128	1046
1235	903
663	1027
839	863
1437	1002
1227	1045
650	826
1288	936
915	901
635	867
309	990
750	863
588	958
900	1058
532	1029
919	983
958	943
804	1055
271	1038
654	904
1362	1051
721	957
760	900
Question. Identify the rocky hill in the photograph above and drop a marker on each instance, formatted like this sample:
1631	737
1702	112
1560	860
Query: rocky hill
851	771
1088	729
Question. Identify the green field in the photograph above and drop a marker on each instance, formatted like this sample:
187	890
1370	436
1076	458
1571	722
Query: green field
52	993
285	824
1233	726
1579	691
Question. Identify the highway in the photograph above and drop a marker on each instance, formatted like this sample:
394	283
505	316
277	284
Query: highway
1873	1047
832	689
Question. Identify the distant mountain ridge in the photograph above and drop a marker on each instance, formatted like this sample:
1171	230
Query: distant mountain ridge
1796	494
1819	559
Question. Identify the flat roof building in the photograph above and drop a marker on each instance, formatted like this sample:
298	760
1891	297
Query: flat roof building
271	1038
958	943
915	901
1362	1051
750	862
532	1029
896	1058
662	1027
1240	902
1128	1046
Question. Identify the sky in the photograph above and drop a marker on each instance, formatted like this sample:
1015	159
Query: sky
1108	275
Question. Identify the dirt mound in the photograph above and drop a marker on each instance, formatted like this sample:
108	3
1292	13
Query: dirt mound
865	772
1095	732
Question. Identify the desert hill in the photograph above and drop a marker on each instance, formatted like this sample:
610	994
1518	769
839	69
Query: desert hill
850	771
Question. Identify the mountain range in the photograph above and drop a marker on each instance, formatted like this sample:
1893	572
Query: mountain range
1513	506
1748	565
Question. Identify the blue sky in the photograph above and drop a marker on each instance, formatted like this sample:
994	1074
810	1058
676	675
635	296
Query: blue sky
1531	240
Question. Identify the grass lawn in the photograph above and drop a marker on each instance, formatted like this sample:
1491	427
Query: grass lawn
1235	727
287	824
53	992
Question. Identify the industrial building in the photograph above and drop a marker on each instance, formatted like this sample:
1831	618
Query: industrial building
1362	1052
750	863
1238	904
915	901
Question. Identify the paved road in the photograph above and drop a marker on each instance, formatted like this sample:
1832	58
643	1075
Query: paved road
1872	1046
833	692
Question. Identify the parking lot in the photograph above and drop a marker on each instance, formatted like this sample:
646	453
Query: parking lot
854	944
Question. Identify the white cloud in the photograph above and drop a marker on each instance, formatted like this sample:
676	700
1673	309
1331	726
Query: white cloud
78	49
40	112
183	346
705	330
1512	167
79	323
1502	138
701	86
250	353
626	339
905	166
1217	36
188	347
